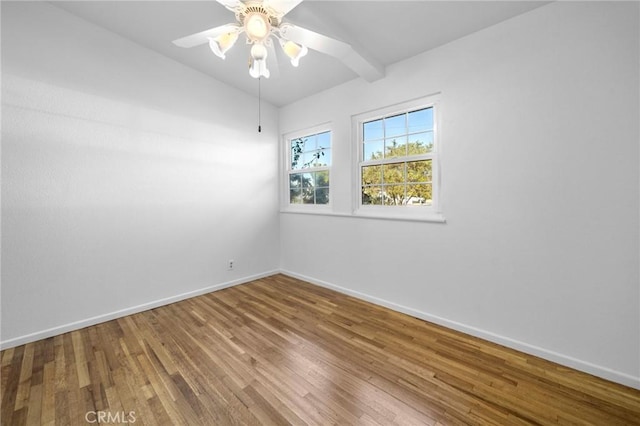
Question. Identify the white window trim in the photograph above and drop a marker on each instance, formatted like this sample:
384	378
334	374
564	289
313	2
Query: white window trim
285	205
431	213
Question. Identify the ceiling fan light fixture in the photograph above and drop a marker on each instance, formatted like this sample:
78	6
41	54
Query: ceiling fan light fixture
257	26
261	21
258	52
294	51
221	44
258	68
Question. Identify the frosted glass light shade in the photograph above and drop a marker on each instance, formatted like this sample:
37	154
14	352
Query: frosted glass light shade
259	69
257	26
294	51
219	45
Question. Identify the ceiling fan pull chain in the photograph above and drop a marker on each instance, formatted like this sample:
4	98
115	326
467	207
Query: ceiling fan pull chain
259	107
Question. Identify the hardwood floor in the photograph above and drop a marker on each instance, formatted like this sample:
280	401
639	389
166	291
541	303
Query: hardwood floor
280	351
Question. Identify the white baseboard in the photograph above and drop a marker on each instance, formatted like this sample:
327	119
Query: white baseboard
587	367
65	328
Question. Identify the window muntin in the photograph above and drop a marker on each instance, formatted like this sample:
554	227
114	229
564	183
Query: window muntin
309	162
396	164
395	184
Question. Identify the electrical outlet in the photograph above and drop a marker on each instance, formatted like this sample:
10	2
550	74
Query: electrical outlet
230	264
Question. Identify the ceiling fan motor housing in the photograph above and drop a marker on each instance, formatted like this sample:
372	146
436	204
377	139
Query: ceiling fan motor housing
257	21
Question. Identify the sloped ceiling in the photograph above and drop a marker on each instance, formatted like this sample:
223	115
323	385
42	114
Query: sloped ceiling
385	31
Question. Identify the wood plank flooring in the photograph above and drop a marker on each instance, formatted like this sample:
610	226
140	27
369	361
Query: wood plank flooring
282	351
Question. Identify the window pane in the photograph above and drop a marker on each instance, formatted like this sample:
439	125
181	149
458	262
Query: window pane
296	154
308	196
422	143
419	171
371	195
396	147
372	130
371	175
322	178
323	140
302	144
393	173
322	195
307	180
419	194
295	196
315	159
395	126
324	158
310	143
310	159
393	195
421	120
295	181
373	150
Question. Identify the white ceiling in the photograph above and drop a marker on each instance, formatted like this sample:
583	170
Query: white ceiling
385	31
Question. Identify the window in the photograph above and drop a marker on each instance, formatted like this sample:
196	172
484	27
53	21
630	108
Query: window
397	160
308	170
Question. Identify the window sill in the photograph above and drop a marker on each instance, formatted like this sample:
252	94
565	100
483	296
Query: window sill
410	215
321	209
430	217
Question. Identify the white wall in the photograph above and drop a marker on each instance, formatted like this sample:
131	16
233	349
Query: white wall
128	180
540	190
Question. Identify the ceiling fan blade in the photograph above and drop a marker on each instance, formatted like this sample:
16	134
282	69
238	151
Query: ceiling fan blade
282	6
230	4
315	41
365	67
203	37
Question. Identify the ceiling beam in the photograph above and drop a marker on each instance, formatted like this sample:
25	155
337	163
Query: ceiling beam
351	53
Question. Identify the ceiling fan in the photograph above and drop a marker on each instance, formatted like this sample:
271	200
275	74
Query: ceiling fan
261	21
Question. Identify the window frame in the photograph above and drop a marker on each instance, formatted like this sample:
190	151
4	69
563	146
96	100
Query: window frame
286	205
404	212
